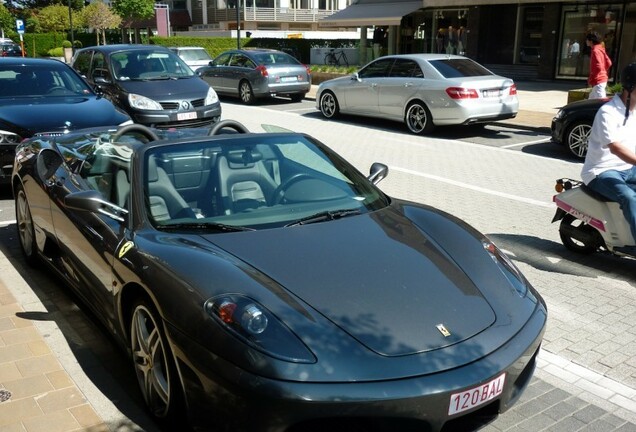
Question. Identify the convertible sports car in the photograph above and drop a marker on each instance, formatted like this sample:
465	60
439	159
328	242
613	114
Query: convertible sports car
262	283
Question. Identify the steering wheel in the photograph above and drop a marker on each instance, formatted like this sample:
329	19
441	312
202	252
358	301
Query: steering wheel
136	128
279	192
230	124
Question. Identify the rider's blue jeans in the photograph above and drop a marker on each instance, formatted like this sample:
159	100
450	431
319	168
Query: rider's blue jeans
619	186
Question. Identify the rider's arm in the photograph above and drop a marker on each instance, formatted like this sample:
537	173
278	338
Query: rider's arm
623	152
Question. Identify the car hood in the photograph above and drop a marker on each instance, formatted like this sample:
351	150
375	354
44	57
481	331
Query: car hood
28	116
377	276
170	89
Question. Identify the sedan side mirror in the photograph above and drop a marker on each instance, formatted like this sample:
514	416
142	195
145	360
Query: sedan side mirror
355	77
377	172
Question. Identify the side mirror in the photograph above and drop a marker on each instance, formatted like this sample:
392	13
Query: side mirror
377	172
47	164
355	77
92	201
102	80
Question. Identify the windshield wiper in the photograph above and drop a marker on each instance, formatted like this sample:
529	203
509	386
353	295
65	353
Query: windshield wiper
324	216
203	226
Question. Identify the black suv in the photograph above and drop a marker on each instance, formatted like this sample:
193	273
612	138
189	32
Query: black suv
151	83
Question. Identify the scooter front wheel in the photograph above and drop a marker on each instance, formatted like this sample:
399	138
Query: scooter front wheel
578	236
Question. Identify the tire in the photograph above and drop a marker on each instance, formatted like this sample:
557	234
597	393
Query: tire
26	230
569	224
576	138
153	362
418	118
246	93
329	105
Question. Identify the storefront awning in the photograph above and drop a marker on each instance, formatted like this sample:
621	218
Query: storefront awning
370	14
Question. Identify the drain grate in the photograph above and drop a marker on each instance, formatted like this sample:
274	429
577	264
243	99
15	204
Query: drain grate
5	395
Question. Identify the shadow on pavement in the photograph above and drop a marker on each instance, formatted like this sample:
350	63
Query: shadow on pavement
101	359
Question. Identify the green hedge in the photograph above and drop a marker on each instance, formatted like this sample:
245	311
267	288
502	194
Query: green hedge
216	45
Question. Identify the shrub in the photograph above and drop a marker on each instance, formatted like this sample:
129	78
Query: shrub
66	44
56	52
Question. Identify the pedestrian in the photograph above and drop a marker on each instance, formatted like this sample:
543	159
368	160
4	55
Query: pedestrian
379	36
600	64
611	154
575	49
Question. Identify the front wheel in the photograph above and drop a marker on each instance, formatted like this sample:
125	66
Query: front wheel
576	138
152	359
578	236
418	118
329	105
26	231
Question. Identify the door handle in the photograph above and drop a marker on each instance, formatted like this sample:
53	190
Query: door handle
408	84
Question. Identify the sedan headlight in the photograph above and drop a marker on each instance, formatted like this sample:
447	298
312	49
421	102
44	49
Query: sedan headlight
258	327
212	97
7	137
507	267
143	103
558	115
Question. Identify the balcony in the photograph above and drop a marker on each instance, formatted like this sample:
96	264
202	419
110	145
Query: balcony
264	14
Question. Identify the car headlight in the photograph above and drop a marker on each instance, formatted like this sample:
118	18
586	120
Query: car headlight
7	137
507	267
258	327
143	103
558	115
212	97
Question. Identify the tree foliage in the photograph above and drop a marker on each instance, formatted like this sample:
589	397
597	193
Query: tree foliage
100	17
134	10
54	19
7	22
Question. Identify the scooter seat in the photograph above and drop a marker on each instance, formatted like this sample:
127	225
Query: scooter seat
594	194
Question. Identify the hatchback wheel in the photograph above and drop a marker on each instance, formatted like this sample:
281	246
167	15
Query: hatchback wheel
26	231
329	105
418	118
246	93
152	359
576	138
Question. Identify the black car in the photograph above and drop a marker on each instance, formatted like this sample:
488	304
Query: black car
46	97
270	284
573	123
151	83
10	50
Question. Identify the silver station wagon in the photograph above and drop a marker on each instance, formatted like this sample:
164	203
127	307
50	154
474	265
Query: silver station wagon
423	91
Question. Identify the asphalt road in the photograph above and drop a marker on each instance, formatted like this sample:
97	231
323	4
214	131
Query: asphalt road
500	180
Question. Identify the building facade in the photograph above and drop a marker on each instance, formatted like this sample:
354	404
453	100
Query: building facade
531	39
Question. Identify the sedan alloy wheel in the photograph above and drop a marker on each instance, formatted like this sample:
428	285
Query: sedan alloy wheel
576	138
418	118
329	105
25	225
245	92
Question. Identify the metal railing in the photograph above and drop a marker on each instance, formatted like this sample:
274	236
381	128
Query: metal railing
269	14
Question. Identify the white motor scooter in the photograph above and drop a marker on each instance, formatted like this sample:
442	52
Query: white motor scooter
589	221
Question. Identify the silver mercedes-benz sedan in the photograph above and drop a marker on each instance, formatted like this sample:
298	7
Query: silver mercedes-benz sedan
421	90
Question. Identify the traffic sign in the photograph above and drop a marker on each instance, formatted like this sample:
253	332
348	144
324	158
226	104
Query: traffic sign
19	25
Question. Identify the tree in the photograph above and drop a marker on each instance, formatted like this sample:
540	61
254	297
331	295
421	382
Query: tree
134	10
100	17
7	22
54	19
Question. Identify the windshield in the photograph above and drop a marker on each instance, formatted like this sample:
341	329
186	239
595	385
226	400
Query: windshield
148	65
256	182
45	79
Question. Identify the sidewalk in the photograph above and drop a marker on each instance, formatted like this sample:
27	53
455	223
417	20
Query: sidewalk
538	103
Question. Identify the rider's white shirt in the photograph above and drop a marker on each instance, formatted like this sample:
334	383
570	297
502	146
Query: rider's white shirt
608	128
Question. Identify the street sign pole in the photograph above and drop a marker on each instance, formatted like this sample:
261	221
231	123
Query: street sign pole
19	25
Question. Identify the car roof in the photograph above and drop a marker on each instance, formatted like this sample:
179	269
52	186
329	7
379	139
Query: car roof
124	47
427	56
186	47
30	61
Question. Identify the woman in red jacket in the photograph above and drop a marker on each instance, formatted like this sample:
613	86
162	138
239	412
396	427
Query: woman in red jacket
600	64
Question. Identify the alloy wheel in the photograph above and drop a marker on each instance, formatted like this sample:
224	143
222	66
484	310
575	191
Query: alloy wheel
577	138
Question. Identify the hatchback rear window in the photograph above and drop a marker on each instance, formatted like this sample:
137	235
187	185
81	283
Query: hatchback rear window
459	68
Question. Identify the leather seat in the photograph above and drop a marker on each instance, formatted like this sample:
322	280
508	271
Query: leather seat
244	181
165	201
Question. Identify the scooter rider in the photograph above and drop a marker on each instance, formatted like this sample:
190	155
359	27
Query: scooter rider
611	154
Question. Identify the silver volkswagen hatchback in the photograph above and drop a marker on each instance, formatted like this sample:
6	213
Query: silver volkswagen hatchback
257	73
421	90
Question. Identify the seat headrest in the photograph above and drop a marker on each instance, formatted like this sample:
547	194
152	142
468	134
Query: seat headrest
243	157
153	173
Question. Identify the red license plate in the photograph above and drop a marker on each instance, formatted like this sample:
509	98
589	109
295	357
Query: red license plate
468	399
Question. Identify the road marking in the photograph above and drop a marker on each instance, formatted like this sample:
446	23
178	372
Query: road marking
541	141
475	188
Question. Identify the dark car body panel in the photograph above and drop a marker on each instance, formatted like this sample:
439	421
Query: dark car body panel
364	293
584	110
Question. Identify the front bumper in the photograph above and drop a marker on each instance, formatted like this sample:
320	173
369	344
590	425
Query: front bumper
198	117
216	390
